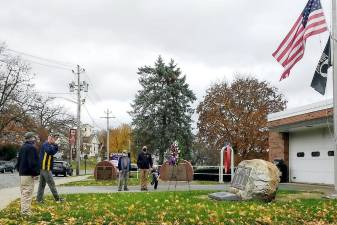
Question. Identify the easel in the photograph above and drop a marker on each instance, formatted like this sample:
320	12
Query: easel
174	175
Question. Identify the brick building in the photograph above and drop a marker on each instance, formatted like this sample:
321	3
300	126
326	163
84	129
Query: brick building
303	138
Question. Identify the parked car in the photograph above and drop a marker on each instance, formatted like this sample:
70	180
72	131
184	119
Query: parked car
134	167
7	166
210	173
62	167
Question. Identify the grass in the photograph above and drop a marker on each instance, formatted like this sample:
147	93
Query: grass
172	208
90	181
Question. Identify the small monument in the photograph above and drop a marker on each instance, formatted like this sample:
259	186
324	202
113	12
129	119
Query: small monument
176	169
105	170
253	179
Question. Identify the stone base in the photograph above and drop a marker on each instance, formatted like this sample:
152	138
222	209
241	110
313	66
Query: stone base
224	196
331	196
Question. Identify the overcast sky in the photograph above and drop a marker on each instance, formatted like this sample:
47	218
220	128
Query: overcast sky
210	40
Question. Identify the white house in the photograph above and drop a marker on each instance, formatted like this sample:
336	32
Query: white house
303	138
91	145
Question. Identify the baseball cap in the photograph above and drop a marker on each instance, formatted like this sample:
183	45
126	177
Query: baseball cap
29	135
54	134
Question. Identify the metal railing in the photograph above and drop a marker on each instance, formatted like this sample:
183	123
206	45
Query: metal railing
195	168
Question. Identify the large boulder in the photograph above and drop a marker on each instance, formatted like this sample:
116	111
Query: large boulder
256	179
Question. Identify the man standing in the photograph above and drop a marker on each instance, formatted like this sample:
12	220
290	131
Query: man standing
47	152
28	167
144	163
124	167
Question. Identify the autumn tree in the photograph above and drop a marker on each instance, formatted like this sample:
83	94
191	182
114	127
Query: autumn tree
161	112
237	113
119	138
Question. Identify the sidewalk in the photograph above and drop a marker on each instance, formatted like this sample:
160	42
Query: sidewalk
161	188
7	195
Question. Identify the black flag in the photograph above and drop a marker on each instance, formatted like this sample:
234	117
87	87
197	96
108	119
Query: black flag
319	80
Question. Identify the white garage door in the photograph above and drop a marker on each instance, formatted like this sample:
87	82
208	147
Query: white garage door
311	156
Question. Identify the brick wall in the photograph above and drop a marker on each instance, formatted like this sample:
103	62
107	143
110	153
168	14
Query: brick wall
279	146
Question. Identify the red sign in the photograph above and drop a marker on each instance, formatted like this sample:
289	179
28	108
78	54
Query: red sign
72	137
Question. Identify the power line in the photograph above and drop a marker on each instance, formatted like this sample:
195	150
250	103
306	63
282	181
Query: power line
92	119
39	63
49	65
66	64
93	91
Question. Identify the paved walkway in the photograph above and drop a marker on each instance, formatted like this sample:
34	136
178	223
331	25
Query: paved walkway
163	187
7	195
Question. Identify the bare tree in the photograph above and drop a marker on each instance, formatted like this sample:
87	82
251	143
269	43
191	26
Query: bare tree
52	117
16	95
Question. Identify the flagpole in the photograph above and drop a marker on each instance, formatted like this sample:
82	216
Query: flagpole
334	77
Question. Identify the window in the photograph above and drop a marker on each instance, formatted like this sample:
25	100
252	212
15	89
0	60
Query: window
315	154
300	154
331	153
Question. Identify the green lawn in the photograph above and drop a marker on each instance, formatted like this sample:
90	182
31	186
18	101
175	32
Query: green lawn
173	208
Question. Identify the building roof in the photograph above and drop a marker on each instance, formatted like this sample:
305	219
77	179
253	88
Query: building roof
316	115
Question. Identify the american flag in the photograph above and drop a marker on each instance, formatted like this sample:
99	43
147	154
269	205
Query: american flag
291	50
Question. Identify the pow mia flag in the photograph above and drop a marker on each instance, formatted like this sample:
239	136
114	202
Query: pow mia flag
319	80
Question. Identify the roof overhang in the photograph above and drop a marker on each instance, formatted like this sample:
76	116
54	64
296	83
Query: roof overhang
317	115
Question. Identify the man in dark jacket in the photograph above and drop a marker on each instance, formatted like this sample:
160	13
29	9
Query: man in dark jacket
144	163
48	149
28	167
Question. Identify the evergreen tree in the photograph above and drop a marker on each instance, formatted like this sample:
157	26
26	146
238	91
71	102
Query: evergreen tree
162	109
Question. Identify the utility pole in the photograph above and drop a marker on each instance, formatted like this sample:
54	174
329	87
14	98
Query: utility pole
334	77
107	117
78	87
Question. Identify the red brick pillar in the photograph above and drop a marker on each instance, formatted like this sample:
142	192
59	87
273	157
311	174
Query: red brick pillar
279	146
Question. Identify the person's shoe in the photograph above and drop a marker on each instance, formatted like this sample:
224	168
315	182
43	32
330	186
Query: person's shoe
59	200
126	189
26	214
119	189
39	202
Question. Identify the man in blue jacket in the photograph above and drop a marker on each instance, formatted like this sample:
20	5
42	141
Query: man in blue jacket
124	167
48	149
28	167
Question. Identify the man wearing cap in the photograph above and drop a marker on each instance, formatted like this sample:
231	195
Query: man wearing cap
48	149
28	167
144	163
124	167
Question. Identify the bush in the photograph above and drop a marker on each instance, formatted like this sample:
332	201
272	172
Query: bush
8	151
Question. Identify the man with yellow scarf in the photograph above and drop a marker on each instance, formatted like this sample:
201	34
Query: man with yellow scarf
48	149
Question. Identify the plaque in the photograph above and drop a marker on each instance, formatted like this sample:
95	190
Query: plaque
105	171
181	172
241	177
